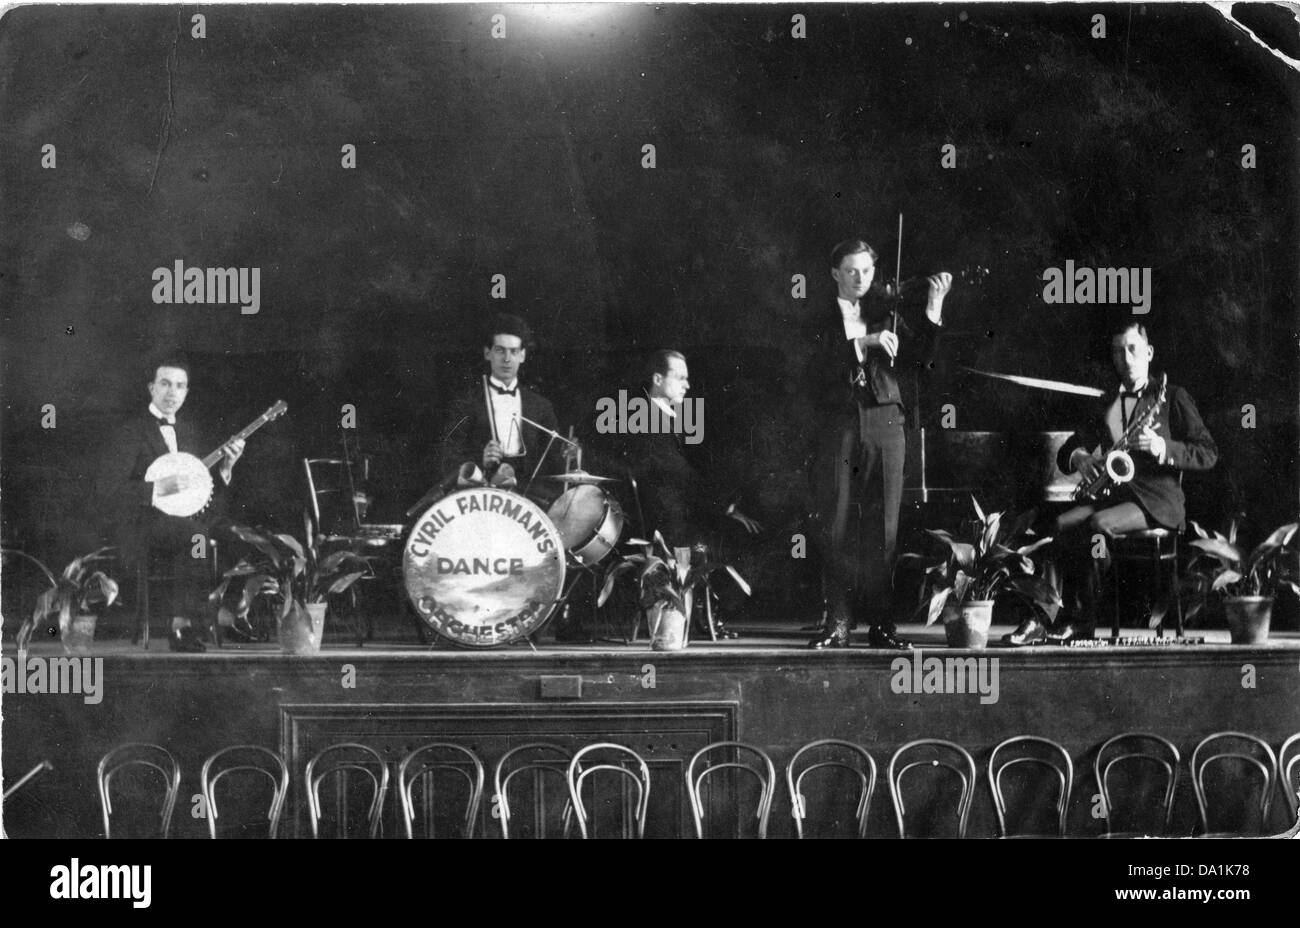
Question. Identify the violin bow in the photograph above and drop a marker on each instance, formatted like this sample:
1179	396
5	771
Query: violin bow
898	274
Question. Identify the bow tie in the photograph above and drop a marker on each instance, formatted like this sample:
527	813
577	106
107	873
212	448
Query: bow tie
502	391
163	420
1125	391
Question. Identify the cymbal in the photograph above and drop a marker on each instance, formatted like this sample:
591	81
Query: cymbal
578	477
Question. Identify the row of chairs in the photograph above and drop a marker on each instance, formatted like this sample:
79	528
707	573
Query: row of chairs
1129	749
536	759
541	761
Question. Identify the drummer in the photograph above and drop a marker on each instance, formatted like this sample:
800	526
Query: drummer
675	495
488	437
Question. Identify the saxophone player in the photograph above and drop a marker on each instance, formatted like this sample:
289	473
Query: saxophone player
1176	440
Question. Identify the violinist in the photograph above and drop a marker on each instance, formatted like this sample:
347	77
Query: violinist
862	344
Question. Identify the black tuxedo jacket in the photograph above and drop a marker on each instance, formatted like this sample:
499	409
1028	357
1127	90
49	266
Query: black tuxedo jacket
469	428
837	366
126	500
676	496
1155	486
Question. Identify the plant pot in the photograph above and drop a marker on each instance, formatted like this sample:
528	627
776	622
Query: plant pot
967	625
667	628
301	630
80	634
1248	618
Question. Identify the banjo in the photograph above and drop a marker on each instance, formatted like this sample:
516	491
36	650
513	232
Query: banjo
198	490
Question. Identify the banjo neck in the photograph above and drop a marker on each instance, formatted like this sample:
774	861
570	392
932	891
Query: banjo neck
246	431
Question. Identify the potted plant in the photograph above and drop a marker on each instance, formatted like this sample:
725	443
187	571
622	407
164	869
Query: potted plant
70	596
1248	582
666	588
989	559
298	579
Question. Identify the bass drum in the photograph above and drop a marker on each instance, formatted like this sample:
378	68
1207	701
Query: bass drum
589	520
484	567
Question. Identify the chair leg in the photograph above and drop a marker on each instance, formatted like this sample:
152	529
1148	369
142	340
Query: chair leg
142	599
1178	600
213	580
1114	582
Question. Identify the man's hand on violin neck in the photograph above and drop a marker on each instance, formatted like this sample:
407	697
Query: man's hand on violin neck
940	283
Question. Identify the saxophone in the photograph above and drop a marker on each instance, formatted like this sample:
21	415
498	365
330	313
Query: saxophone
1118	467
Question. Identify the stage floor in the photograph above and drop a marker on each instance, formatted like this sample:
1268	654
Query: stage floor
767	637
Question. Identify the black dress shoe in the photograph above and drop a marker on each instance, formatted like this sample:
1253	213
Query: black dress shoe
885	638
836	639
1031	631
720	629
186	640
240	631
1078	630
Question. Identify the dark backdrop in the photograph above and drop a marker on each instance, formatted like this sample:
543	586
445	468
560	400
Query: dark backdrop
522	156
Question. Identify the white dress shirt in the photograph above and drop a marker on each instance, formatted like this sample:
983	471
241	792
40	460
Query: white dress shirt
506	410
168	427
1121	411
666	406
854	327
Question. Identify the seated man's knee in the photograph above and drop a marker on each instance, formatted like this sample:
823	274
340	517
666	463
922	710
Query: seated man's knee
1114	521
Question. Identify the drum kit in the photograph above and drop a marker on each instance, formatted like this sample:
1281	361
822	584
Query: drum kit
486	566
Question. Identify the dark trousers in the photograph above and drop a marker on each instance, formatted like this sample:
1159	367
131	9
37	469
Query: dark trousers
859	493
1081	567
169	546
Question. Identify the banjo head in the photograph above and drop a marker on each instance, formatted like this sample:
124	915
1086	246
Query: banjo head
190	500
484	567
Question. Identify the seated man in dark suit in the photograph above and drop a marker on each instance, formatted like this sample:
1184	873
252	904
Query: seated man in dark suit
487	427
142	531
676	497
1177	441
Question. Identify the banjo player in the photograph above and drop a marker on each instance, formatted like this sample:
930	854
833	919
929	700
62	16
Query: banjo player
142	531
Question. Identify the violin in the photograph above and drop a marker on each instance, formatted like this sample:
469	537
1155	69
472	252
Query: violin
971	275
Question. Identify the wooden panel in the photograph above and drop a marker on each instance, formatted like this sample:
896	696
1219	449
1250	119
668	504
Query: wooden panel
665	734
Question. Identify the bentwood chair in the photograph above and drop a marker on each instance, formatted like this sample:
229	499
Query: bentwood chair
1030	751
148	757
425	763
628	770
1252	757
1288	774
1134	751
933	754
835	755
745	759
341	761
245	758
536	763
1158	547
149	573
339	483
